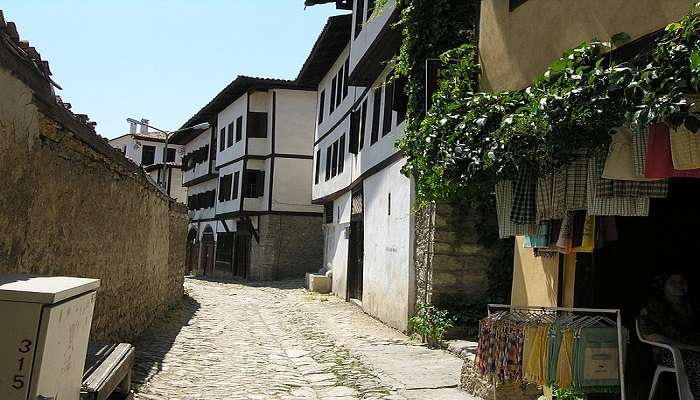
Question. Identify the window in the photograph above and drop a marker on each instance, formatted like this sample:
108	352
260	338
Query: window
257	125
370	8
236	176
124	150
359	17
170	155
334	160
321	106
388	111
212	153
388	205
253	183
354	132
341	84
222	139
345	77
148	155
317	175
334	87
377	108
400	99
239	129
516	3
225	188
229	142
224	250
341	155
363	124
328	162
328	212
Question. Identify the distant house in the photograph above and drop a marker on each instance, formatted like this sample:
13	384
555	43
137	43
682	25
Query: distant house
146	150
249	180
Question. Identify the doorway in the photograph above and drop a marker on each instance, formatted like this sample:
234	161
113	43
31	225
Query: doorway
192	252
208	250
241	253
356	248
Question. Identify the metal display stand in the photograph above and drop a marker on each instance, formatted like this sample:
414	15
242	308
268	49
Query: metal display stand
618	318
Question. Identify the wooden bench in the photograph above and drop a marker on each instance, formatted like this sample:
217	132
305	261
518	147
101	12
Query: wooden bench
107	374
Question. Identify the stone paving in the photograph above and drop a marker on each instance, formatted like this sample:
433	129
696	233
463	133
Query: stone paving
277	341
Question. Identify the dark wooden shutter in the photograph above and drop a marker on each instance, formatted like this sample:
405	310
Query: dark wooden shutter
341	83
400	99
260	184
334	159
334	85
239	129
235	185
317	173
341	155
229	142
388	112
222	139
354	142
328	162
376	110
321	106
363	124
345	78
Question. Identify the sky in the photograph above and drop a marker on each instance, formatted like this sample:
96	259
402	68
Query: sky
162	60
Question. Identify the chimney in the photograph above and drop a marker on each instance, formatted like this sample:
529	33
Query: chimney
144	128
132	128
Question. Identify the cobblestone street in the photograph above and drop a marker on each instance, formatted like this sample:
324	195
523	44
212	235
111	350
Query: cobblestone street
234	341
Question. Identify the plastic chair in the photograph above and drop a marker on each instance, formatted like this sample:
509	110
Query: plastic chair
684	392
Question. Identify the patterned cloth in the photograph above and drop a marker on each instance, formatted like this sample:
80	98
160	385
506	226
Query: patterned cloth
524	209
639	146
691	362
615	188
576	184
500	350
618	206
504	205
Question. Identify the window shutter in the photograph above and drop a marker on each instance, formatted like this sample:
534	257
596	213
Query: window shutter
400	98
260	184
353	145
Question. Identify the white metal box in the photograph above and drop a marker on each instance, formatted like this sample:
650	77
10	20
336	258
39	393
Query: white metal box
44	341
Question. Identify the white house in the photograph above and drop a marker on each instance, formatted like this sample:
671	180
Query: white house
357	175
146	150
255	181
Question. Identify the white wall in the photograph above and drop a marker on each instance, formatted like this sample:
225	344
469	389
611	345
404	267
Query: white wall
336	246
294	121
292	187
370	30
200	169
258	203
228	115
389	278
134	148
232	205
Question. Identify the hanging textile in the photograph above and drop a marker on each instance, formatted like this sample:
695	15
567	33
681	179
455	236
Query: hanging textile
500	350
540	239
524	209
504	205
620	206
640	139
596	361
657	189
535	354
564	242
619	163
550	201
576	184
587	244
564	373
685	149
659	163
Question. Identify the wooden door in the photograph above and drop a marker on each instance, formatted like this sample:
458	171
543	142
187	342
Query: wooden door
356	253
242	256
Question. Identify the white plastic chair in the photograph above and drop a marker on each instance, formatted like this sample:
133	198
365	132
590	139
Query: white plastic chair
678	369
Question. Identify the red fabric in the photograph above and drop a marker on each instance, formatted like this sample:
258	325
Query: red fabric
659	161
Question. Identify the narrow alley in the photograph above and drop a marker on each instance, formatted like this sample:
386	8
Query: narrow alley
234	341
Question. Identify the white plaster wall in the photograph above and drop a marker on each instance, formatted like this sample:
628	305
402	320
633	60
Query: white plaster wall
258	203
388	281
370	30
232	205
294	121
231	223
122	141
342	180
177	191
260	101
330	119
336	256
199	169
206	186
134	148
226	116
292	186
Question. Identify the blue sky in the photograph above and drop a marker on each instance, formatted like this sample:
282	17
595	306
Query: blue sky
162	60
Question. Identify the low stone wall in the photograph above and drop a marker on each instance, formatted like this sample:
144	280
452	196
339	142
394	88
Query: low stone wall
74	207
290	246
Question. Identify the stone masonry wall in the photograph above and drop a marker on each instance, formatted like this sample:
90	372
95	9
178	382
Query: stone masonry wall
67	209
290	246
449	261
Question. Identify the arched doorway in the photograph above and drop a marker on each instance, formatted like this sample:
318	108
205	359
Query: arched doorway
192	251
208	246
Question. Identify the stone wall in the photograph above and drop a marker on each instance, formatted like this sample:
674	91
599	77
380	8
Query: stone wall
71	206
290	246
449	261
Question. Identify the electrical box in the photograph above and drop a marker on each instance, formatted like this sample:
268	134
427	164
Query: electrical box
45	336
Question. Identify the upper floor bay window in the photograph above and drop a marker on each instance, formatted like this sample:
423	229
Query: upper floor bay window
225	187
257	125
148	155
253	183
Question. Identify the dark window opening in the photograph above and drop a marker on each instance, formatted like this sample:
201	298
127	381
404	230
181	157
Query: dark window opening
363	124
388	205
370	8
317	175
341	155
353	145
224	250
321	106
170	155
234	194
148	155
239	129
229	141
359	17
334	159
376	110
341	83
334	85
225	188
328	212
345	77
388	112
222	139
433	75
328	162
400	99
257	125
253	183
